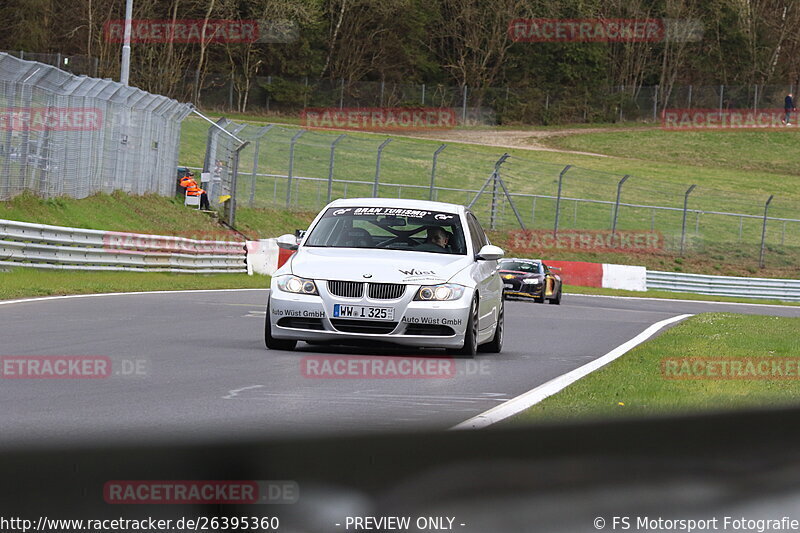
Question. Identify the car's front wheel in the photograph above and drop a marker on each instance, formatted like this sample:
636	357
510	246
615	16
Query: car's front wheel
271	342
496	344
557	299
470	348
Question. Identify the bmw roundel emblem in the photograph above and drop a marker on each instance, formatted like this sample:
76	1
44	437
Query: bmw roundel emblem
367	275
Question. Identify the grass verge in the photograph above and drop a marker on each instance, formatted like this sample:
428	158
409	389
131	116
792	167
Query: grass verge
29	282
634	383
668	295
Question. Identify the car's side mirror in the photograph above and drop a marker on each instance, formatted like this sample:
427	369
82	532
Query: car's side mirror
287	242
490	252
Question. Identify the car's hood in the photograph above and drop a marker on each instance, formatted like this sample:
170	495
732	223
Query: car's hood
382	266
510	274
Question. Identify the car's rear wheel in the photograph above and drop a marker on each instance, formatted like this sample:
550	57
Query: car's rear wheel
470	347
496	344
557	299
271	342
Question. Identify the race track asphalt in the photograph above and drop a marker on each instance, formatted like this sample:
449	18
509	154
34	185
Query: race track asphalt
203	373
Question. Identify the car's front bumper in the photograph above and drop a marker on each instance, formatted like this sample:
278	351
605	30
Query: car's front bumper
523	290
421	324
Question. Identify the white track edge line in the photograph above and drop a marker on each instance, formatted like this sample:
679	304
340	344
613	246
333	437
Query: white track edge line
536	395
788	305
94	295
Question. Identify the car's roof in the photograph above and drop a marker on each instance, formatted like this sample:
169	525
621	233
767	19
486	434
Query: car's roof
398	202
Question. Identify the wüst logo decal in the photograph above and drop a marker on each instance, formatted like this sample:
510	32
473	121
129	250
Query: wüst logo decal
415	272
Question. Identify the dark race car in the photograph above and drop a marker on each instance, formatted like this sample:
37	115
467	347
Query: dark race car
529	278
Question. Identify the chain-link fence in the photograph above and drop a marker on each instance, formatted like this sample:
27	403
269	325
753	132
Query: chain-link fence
62	134
297	169
504	105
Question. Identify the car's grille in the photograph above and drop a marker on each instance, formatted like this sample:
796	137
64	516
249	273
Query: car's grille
363	326
386	291
346	289
300	322
430	329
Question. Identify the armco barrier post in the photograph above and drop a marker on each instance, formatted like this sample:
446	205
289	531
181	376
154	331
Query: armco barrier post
330	165
764	232
685	206
291	167
378	167
433	170
616	206
558	198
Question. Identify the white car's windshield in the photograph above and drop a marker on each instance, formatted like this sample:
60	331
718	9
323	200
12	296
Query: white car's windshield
390	228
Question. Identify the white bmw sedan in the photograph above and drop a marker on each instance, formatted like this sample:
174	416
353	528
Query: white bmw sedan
407	272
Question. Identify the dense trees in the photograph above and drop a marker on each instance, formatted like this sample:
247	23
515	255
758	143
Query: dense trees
449	42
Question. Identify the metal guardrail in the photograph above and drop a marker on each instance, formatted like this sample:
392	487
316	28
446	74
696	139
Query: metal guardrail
765	288
57	247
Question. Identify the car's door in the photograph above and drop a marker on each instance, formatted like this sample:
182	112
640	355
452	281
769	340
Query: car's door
490	286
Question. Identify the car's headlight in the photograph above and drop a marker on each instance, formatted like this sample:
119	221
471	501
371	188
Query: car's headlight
531	281
439	293
297	285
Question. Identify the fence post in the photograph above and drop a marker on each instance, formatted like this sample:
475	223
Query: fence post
423	95
685	205
433	170
493	211
721	94
383	84
263	131
291	168
235	184
558	198
764	232
616	206
330	166
378	167
690	97
341	94
495	179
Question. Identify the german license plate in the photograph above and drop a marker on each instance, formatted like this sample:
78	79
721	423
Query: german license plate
363	312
